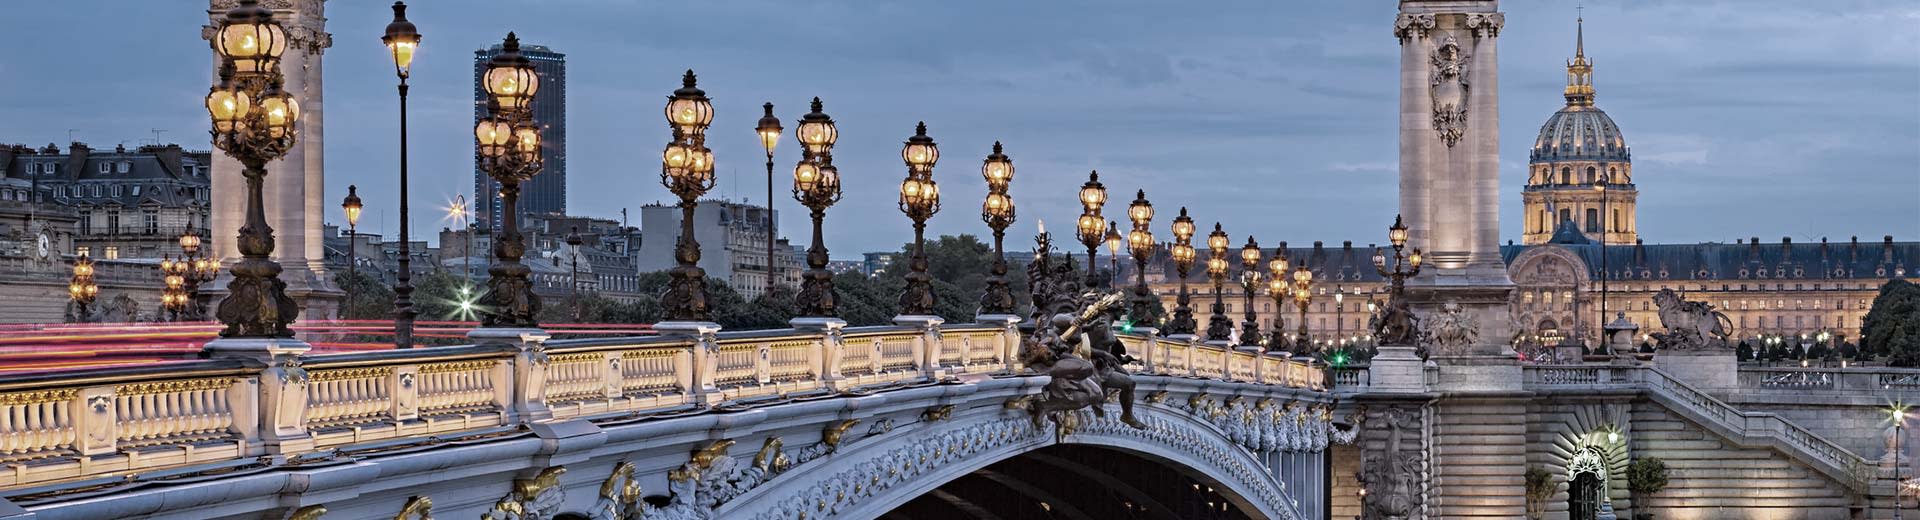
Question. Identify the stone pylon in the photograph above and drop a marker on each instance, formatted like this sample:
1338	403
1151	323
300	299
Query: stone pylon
295	189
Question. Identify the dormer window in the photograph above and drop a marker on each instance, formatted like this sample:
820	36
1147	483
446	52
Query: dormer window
106	168
125	166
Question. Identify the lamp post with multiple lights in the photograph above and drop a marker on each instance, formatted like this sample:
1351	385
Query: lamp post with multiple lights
919	200
1091	229
687	171
1303	296
402	41
1140	246
173	295
1182	252
82	289
1250	286
998	213
816	185
1396	326
200	269
254	121
1219	326
509	145
1278	288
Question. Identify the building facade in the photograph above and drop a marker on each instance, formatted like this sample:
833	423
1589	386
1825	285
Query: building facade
733	242
120	203
1580	169
546	194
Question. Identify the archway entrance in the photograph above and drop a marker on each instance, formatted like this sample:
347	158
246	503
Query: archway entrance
1073	482
1583	497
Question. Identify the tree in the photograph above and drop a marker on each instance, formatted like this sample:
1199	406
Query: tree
367	298
439	294
959	266
1644	478
1540	489
1743	352
1892	328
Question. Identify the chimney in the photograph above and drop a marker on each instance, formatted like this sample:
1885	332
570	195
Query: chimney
1786	249
7	153
1853	249
1824	258
1753	249
1886	249
1639	252
77	157
169	156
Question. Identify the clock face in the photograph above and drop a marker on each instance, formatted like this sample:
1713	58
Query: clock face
45	245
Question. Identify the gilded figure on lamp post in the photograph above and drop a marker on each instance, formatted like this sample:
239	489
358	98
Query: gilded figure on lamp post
1250	285
1182	252
998	213
1397	325
1091	229
1219	326
1140	245
816	185
255	122
1278	287
509	146
919	200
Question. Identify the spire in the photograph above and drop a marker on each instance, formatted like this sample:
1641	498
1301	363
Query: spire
1579	72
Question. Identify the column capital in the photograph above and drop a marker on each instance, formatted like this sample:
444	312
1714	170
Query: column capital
1486	25
1412	25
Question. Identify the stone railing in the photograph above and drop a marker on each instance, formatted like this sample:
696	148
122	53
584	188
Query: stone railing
61	430
1713	413
1874	381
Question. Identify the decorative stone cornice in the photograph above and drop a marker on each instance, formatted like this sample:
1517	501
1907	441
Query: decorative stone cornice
1409	26
1486	25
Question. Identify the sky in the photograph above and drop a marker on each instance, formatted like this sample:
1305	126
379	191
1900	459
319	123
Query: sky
1761	118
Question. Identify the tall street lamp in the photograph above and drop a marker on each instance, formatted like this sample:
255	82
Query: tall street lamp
82	290
351	206
1600	185
1278	287
402	40
1219	326
1397	326
459	214
1183	255
1250	283
816	185
173	296
998	213
254	121
509	146
919	200
1898	413
1091	229
1303	296
1140	246
687	171
573	251
1113	252
200	269
769	131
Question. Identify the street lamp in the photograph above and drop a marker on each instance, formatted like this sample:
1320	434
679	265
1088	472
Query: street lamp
1183	254
1219	326
82	290
1140	246
459	213
1250	283
998	213
173	296
351	205
1113	252
687	170
1339	312
1302	296
573	251
1600	185
769	131
919	200
1091	229
816	185
1898	413
200	269
254	121
509	144
402	41
1396	326
1278	289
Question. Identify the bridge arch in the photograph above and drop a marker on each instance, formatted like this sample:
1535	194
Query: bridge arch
879	474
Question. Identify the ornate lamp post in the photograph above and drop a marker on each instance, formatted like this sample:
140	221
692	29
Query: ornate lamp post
1183	254
509	146
1250	283
1140	246
1278	287
200	269
351	206
816	185
255	122
998	213
919	200
769	131
1113	252
1396	325
687	171
82	289
1303	296
402	40
1091	229
173	297
1600	185
1219	326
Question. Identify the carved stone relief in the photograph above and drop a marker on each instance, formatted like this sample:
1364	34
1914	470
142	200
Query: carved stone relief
1448	88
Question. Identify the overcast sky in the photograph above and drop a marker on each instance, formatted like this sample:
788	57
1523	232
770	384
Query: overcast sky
1747	117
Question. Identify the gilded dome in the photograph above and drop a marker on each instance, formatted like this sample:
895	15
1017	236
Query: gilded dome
1579	133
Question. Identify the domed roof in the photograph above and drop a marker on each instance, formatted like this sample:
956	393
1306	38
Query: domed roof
1579	132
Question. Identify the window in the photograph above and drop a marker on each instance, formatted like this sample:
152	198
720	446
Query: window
113	221
151	219
86	222
52	168
96	190
1593	220
1590	176
1566	215
119	191
125	167
1566	176
113	252
83	251
1616	220
106	168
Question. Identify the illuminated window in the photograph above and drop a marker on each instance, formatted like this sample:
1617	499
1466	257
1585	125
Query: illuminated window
83	251
113	252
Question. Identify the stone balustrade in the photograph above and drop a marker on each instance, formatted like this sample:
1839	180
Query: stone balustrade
60	430
1872	381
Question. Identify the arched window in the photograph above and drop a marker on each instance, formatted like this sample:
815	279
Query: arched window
1590	175
1613	175
1566	214
1566	175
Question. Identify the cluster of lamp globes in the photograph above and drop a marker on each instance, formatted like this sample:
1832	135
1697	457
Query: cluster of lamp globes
249	104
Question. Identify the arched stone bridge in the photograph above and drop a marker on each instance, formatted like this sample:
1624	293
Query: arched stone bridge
853	423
